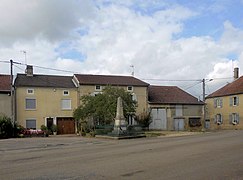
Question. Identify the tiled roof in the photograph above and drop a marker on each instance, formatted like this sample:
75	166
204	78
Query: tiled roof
86	79
170	95
44	81
236	87
5	84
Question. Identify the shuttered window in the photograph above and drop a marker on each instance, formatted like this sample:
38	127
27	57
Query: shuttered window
218	103
66	104
30	104
234	118
234	101
218	119
31	124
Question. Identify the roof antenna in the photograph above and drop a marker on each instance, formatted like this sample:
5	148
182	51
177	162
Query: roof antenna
132	70
23	51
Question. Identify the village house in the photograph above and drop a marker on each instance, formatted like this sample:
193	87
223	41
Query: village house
174	109
224	106
5	95
45	100
94	84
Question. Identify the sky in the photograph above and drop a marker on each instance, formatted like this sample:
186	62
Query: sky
164	42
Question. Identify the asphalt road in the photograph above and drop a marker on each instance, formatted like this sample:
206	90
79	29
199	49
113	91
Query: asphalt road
217	155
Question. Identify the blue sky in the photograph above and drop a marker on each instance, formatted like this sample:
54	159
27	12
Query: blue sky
162	39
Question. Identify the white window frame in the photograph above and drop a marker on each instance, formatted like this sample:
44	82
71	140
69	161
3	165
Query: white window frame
65	91
235	101
218	103
26	108
219	119
30	119
98	89
235	118
66	106
128	88
30	91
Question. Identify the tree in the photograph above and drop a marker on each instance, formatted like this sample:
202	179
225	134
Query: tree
102	107
6	127
144	119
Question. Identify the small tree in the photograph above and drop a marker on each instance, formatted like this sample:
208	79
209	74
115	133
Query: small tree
144	119
102	107
6	127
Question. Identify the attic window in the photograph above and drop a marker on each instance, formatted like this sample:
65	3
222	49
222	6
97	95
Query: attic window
65	92
30	91
98	88
129	88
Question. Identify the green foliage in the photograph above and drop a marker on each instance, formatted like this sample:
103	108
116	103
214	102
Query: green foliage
6	127
144	119
43	128
102	107
54	128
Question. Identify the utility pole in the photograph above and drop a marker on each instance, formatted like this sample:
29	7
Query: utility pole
204	106
11	92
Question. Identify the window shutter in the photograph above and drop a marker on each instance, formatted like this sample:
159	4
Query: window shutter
215	103
215	119
238	118
230	119
237	100
221	102
231	101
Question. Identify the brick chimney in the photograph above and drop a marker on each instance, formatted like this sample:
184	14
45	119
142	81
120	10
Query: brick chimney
236	73
29	70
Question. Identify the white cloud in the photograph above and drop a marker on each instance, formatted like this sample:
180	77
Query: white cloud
116	36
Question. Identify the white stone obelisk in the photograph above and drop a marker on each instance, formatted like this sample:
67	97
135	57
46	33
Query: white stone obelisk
120	122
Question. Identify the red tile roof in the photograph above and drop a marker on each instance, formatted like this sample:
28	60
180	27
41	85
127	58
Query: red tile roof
236	87
5	85
86	79
170	95
44	81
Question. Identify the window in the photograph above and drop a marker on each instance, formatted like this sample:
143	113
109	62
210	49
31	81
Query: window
30	91
234	101
98	88
218	119
218	103
234	118
194	122
134	97
66	104
30	104
66	93
129	88
31	124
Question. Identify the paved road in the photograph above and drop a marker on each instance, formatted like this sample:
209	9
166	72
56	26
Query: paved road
217	155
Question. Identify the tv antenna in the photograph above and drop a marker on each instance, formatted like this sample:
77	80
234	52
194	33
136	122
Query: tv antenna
24	52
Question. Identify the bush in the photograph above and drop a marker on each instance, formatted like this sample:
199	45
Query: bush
6	127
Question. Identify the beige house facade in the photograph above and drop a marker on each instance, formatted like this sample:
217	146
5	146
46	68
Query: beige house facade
225	106
46	100
5	95
174	109
94	84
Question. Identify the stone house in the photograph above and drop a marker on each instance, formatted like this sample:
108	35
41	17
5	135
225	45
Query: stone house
225	106
174	109
46	100
5	95
94	84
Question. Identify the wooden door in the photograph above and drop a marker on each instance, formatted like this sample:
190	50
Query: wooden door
65	126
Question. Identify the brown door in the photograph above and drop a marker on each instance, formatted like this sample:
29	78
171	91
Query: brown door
65	126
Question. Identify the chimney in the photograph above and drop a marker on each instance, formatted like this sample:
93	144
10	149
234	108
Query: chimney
29	70
236	73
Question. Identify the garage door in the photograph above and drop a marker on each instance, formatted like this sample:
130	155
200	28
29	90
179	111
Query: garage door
159	121
66	125
179	124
